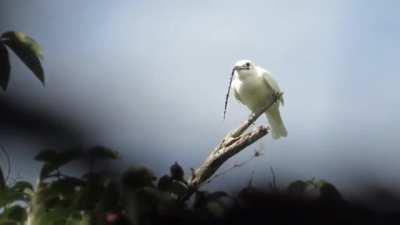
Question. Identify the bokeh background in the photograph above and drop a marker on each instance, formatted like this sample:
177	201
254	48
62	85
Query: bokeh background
148	78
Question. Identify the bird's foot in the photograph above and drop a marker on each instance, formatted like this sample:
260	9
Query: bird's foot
277	96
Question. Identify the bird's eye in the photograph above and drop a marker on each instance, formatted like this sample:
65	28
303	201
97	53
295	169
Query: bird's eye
248	64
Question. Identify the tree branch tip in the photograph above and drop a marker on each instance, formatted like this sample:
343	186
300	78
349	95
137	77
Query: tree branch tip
233	143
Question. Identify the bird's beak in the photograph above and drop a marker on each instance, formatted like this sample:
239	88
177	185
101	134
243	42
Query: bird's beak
238	68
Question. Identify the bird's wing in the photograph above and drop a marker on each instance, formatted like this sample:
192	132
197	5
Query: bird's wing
271	82
236	94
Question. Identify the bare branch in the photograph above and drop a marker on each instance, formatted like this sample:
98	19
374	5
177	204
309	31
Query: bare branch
253	117
236	165
232	144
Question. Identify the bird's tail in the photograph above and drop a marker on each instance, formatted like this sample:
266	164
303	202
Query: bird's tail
278	129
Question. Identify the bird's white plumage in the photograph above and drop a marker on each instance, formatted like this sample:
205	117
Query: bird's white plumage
254	87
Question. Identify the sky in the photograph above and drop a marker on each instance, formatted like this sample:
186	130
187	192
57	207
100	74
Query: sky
148	78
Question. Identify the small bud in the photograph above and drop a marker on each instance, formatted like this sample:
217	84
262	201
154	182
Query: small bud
176	171
257	153
164	182
112	217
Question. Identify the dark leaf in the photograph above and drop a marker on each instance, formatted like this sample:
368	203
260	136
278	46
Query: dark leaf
10	196
137	177
27	49
9	222
149	200
66	185
100	152
329	193
78	219
16	213
177	172
164	182
297	187
94	177
57	160
21	186
4	67
146	199
86	198
47	169
200	199
65	157
215	196
177	187
215	209
110	198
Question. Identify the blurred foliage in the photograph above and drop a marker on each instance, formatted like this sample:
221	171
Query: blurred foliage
137	196
27	50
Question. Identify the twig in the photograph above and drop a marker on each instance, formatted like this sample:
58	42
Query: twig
236	165
273	183
250	184
232	144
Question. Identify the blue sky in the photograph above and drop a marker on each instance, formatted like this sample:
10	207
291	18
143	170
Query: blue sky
149	78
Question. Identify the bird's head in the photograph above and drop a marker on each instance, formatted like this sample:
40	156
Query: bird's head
244	68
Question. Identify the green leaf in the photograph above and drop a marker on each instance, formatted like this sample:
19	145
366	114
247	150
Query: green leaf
55	216
100	152
8	222
27	49
328	192
297	187
57	160
20	186
10	196
16	213
4	67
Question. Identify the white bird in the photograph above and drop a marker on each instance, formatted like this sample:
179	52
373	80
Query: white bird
254	87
